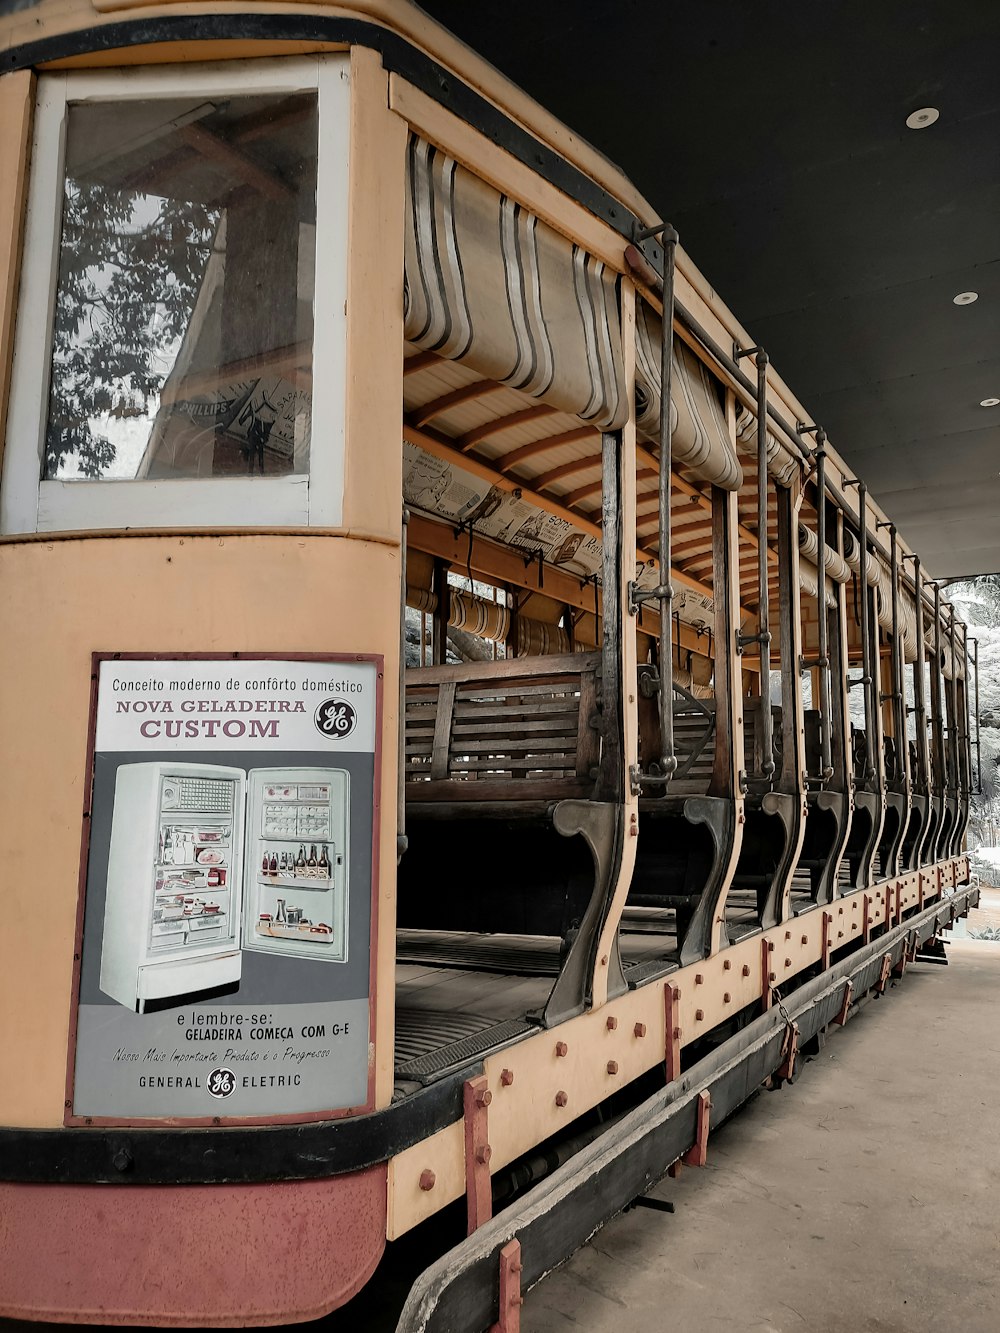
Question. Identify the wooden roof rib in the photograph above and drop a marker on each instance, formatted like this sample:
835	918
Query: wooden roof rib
479	424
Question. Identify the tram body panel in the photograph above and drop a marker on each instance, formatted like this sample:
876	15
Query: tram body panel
228	590
171	595
218	1255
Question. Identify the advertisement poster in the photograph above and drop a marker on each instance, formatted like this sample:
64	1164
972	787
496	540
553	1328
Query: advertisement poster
227	919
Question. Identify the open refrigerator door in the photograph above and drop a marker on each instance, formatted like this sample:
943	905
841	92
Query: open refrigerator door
297	862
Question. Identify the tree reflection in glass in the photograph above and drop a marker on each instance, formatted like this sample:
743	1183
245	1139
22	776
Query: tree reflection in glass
182	328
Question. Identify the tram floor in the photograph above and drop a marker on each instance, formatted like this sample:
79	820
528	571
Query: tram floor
864	1198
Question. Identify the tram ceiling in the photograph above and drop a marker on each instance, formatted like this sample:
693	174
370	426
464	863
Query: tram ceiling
775	140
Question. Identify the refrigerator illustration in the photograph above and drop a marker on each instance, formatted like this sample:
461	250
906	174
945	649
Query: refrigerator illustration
206	861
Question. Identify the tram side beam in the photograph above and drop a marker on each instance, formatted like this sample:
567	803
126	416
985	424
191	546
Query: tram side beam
462	1289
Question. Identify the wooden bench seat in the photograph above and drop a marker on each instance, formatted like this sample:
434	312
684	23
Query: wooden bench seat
522	732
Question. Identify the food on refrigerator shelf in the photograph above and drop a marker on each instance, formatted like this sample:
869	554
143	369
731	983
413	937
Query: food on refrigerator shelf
210	857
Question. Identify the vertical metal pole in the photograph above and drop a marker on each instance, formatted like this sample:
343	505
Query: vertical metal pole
823	660
668	759
896	658
919	704
763	609
401	840
979	761
867	679
937	702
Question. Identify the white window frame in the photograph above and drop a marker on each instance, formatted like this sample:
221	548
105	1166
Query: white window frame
29	504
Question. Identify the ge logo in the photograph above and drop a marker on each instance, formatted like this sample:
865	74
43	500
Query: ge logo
335	719
221	1082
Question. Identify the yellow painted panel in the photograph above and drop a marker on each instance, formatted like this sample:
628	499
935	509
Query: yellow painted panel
59	602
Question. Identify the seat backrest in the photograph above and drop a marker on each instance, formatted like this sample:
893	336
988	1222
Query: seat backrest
518	729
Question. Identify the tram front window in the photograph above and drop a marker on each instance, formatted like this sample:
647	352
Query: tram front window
183	320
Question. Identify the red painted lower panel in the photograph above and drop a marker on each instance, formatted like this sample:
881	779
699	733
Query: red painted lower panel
208	1255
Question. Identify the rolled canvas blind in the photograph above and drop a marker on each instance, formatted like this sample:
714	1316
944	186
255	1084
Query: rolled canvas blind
489	284
699	435
781	465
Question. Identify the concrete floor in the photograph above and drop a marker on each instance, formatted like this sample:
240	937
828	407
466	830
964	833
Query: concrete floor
864	1198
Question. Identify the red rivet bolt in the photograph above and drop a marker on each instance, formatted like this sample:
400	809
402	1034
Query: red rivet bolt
805	939
561	1099
612	1066
770	946
484	1097
699	1014
639	1030
506	1077
772	976
788	934
746	970
726	964
698	979
612	1022
427	1179
726	997
484	1154
561	1048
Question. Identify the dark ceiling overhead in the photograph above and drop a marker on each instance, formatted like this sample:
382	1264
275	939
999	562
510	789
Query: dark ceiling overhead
773	136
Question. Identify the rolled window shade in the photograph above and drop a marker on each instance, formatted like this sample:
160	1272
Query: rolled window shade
878	576
836	566
489	620
699	435
809	582
781	465
489	284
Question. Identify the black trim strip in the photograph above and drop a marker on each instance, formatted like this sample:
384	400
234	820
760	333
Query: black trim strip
202	1156
398	56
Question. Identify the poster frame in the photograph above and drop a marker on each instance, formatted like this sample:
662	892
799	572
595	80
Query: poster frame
70	1120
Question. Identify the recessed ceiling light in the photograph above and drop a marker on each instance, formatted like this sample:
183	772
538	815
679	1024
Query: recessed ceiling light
965	298
990	402
919	120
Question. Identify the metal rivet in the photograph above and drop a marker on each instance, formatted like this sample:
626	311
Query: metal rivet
788	962
427	1179
612	1022
746	970
788	934
770	946
122	1160
726	964
726	997
805	939
698	979
484	1097
561	1048
506	1077
484	1154
772	976
699	1014
561	1099
612	1066
639	1030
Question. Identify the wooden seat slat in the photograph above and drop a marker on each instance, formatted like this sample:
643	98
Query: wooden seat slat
552	727
512	745
509	731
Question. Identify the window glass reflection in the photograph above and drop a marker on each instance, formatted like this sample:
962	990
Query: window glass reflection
183	321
